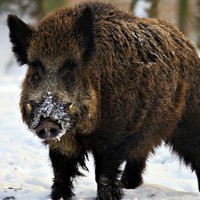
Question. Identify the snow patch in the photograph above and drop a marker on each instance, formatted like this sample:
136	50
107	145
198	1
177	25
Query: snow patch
141	8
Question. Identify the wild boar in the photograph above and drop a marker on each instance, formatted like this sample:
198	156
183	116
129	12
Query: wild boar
104	81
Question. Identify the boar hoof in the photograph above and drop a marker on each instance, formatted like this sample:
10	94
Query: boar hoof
109	191
61	193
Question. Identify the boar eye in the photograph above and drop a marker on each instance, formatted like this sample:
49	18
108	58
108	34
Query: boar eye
69	64
37	65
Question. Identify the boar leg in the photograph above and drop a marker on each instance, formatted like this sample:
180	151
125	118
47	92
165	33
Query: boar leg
65	168
198	177
132	174
185	143
107	171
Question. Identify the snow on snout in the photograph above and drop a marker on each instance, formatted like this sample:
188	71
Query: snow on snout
53	110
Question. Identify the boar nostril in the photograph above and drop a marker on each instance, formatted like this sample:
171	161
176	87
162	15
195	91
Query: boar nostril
42	133
54	131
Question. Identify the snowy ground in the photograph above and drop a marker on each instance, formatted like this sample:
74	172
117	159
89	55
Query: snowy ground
25	172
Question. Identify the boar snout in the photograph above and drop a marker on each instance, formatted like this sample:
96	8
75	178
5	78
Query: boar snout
50	118
47	130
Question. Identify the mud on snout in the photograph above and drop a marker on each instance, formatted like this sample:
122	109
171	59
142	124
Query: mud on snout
50	120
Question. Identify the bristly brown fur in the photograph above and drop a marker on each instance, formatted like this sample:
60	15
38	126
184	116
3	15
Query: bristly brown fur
131	83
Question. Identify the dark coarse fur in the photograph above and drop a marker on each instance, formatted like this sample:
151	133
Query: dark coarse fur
131	83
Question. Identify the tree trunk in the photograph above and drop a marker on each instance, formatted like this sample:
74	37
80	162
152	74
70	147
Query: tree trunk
198	23
153	10
132	6
183	15
49	5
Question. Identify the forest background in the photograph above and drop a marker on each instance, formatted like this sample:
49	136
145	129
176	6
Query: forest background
184	13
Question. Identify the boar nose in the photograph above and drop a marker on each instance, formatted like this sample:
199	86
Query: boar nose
47	130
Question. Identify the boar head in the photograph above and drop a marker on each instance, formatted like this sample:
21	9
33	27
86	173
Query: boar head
60	90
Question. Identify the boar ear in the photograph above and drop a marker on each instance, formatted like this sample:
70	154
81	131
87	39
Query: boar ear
84	31
20	34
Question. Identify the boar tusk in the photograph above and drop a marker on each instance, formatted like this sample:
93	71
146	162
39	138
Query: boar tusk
28	107
70	107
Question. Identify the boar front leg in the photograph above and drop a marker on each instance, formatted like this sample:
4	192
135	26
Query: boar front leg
132	174
65	169
107	171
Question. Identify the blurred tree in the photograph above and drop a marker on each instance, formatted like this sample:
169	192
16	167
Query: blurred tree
34	8
198	23
183	15
132	6
45	6
49	5
153	9
15	5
